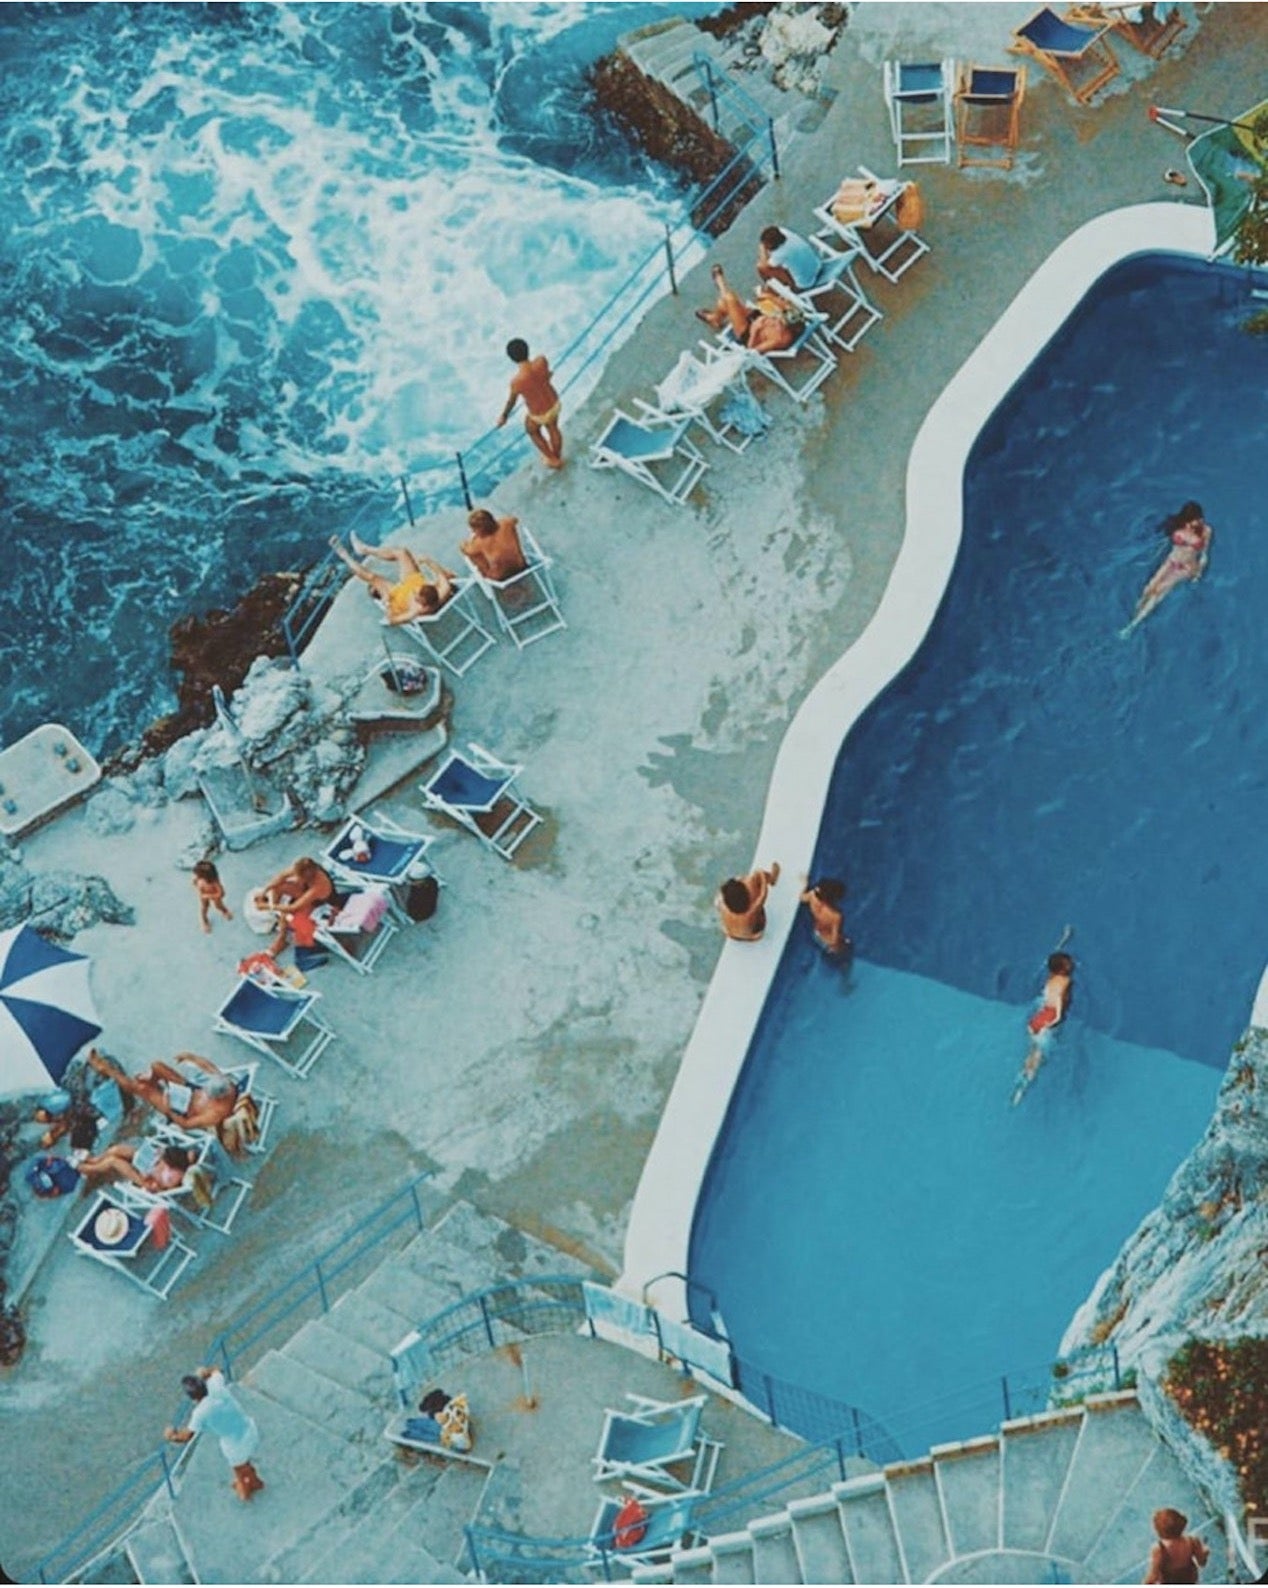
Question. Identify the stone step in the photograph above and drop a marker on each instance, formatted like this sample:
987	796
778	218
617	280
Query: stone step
869	1530
452	1269
816	1525
775	1557
157	1554
396	1285
308	1474
438	1522
733	1558
691	1566
968	1479
367	1323
386	1546
305	1557
917	1512
1115	1442
331	1352
510	1251
1124	1544
1035	1459
315	1396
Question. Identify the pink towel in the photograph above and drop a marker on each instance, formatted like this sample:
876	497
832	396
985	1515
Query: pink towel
363	912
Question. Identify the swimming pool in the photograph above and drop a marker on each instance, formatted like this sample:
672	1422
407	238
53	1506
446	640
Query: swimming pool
876	1221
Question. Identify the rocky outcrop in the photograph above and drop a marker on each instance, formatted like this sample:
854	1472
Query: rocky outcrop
58	903
1196	1264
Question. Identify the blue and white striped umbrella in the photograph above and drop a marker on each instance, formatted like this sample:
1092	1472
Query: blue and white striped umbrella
46	1010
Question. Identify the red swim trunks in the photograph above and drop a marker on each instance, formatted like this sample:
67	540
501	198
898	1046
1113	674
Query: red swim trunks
1042	1019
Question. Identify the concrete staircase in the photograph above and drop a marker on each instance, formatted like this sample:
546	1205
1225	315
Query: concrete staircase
665	52
339	1505
1063	1497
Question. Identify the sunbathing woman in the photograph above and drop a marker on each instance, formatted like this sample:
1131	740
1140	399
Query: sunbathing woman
415	594
166	1174
206	1095
494	546
1190	537
295	892
765	327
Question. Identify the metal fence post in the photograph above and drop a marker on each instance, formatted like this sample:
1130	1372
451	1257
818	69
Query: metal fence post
774	147
462	475
413	1188
488	1324
770	1398
713	95
839	1447
1008	1410
409	506
469	1533
858	1430
1118	1382
224	1356
167	1474
669	257
321	1286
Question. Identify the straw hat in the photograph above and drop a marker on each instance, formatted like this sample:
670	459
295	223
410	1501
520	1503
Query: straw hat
110	1226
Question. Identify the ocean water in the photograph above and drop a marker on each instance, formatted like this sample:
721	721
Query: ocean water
1030	770
256	262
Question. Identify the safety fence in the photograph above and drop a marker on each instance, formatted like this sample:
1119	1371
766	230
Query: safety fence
486	461
315	1286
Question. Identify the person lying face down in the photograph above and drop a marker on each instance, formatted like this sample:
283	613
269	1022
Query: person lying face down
421	586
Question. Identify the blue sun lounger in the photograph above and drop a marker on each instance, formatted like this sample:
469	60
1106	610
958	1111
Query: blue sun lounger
667	1523
918	98
642	450
134	1253
275	1019
1074	54
478	791
641	1443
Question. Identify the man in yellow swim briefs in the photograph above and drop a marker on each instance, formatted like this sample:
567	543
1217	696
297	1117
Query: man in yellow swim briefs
531	381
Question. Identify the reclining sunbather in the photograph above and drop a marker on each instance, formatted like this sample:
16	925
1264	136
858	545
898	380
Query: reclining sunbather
195	1094
166	1172
422	586
766	327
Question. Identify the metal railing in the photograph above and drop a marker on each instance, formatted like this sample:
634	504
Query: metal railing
110	1522
487	460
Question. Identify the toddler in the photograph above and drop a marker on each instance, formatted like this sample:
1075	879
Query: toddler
210	891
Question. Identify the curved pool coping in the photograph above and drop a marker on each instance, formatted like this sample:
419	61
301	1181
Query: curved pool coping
659	1230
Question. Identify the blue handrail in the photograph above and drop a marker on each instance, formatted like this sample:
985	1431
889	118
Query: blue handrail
487	460
121	1507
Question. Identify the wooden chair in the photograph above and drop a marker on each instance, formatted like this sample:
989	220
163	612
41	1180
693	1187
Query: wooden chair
988	114
1149	33
1076	55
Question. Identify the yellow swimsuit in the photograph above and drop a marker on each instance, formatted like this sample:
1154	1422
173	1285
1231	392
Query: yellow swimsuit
400	597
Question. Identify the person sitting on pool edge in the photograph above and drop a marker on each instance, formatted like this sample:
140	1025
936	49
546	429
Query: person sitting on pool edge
823	900
422	586
741	904
494	547
1185	563
1052	1009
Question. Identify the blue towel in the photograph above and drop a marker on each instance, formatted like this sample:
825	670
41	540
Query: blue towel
744	413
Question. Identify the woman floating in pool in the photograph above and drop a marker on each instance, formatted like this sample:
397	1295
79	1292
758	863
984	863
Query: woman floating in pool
1190	537
1053	1006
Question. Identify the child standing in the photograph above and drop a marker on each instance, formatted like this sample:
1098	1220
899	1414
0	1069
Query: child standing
210	890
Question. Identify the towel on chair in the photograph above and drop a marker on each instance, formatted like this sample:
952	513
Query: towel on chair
363	912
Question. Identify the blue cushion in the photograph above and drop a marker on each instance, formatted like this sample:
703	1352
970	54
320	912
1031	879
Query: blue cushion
920	82
992	84
1047	32
255	1009
461	785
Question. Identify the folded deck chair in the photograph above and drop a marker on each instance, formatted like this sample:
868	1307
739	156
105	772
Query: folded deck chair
359	930
1076	55
707	389
642	1442
212	1194
885	247
454	637
918	98
657	455
988	114
477	790
275	1019
397	859
668	1521
525	606
120	1238
1139	25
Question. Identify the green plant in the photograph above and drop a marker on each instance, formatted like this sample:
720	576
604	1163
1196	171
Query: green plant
1251	246
1218	1387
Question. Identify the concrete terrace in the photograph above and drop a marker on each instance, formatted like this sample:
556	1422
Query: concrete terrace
523	1042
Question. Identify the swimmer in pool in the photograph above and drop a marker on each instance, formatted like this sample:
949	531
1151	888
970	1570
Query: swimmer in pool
1053	1006
1190	536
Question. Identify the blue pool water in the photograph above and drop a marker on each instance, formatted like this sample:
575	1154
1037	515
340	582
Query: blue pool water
256	260
878	1223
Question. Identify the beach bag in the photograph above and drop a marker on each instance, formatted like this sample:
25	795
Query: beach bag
242	1128
422	899
629	1525
159	1223
52	1177
910	209
455	1425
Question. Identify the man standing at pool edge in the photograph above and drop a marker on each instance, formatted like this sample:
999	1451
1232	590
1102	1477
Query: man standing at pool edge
531	381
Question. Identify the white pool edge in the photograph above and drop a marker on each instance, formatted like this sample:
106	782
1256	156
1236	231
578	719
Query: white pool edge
664	1205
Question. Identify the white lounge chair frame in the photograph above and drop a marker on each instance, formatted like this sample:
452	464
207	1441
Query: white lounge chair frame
355	946
644	1553
395	881
809	342
836	275
244	1076
914	108
303	1013
453	637
508	820
698	1449
229	1191
686	462
525	605
718	430
884	246
155	1270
